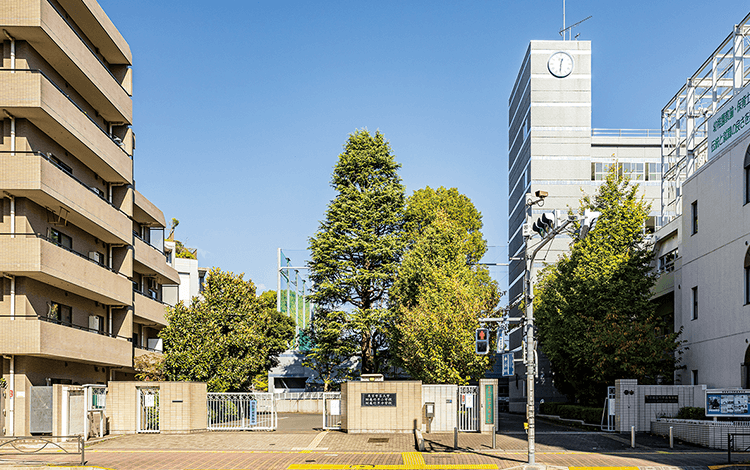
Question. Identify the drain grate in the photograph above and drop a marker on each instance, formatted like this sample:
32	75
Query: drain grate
378	440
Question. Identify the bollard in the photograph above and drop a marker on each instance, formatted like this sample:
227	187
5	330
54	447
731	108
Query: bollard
494	438
632	436
455	438
671	437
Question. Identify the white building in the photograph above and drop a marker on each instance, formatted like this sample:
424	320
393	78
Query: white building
703	256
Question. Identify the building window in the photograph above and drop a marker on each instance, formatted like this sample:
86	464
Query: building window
694	295
60	313
694	217
694	377
633	170
666	261
747	175
654	172
60	239
747	282
599	171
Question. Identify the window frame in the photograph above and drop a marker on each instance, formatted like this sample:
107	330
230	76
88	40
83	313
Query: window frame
694	303
694	217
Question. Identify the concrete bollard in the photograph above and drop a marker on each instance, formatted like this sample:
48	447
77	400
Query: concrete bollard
455	438
671	437
632	436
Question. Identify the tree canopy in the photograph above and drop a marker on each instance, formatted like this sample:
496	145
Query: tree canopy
440	292
593	307
227	337
356	251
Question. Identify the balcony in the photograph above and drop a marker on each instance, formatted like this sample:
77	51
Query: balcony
153	262
47	30
32	175
146	213
149	309
35	337
32	95
33	256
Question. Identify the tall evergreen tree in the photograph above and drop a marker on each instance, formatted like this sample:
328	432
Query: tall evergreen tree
593	307
356	251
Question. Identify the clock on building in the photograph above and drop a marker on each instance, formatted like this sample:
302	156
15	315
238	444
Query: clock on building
560	64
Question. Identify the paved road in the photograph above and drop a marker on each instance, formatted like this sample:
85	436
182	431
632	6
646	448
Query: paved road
300	447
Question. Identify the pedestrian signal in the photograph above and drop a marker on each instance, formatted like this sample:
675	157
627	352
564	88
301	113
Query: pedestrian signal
482	337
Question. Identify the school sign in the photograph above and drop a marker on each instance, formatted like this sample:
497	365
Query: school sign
729	122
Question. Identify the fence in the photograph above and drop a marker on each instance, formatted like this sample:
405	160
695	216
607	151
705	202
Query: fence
468	408
241	412
712	434
96	404
299	402
42	445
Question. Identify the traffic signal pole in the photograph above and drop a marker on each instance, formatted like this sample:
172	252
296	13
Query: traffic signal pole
530	359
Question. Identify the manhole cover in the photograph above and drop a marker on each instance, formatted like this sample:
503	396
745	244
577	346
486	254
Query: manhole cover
378	440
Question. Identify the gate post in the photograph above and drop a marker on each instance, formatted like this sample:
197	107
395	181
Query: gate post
488	405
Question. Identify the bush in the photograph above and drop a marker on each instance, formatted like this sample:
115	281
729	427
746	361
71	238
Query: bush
587	414
692	412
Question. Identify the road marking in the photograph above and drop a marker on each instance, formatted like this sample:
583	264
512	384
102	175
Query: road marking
412	461
602	468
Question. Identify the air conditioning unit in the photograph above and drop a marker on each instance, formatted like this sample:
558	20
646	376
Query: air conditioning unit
98	191
95	322
96	256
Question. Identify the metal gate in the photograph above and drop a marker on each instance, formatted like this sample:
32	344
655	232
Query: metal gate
468	408
332	410
241	412
148	409
41	410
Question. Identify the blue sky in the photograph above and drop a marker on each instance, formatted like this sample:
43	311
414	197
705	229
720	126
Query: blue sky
242	107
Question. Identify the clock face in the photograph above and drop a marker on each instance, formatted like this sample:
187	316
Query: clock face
560	64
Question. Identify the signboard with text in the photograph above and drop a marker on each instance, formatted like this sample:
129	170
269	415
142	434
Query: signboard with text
729	122
731	403
378	399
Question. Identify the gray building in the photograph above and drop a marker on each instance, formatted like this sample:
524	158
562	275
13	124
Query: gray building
552	147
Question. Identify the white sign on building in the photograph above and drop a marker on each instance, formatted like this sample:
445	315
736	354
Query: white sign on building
729	122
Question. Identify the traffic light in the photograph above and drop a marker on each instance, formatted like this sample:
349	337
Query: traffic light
482	337
589	222
544	224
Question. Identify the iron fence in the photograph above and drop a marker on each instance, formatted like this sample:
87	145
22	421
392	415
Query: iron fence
241	412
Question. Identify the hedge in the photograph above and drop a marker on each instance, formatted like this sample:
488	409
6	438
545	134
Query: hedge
587	414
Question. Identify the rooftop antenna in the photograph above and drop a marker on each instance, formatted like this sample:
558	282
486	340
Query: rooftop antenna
563	28
569	29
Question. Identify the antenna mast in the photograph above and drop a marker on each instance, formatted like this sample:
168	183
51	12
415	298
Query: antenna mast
563	28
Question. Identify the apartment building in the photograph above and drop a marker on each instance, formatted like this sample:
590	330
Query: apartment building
553	148
80	274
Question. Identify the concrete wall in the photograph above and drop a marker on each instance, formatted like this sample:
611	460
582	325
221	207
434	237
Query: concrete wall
631	409
404	417
182	406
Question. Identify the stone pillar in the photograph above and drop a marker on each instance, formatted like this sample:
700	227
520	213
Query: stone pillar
488	405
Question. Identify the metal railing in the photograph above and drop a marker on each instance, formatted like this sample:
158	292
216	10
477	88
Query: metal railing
626	132
42	445
299	395
138	291
241	412
49	240
98	126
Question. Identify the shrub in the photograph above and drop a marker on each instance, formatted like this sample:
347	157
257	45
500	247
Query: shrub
692	412
587	414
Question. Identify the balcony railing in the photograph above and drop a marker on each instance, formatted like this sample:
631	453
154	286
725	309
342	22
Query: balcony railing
139	237
69	175
155	299
69	325
88	47
49	240
98	126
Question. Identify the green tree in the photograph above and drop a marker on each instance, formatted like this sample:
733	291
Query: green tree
227	337
356	251
424	206
330	349
440	292
593	307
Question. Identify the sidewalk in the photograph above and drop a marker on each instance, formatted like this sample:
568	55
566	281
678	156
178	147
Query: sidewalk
556	446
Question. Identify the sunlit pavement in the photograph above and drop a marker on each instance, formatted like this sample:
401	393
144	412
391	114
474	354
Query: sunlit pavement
310	449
